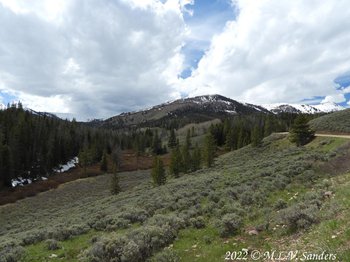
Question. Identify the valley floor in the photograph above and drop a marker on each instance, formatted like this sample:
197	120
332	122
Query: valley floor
253	201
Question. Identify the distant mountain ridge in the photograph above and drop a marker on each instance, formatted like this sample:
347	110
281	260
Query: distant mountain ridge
199	108
204	108
303	108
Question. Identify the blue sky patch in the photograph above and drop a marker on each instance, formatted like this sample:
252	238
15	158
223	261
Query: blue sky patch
209	18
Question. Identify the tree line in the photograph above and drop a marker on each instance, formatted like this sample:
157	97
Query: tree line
32	144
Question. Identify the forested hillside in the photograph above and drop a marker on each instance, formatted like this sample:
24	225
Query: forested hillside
32	144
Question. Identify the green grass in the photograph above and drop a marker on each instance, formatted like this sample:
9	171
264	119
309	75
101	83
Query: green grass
69	250
201	245
327	144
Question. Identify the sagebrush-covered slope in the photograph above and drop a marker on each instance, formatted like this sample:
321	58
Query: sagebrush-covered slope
334	122
140	222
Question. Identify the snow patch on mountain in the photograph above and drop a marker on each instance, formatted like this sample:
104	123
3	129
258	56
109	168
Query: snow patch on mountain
329	107
303	108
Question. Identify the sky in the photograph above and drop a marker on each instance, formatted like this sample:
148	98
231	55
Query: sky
98	58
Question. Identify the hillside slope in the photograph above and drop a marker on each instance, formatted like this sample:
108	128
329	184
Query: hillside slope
189	110
334	122
275	191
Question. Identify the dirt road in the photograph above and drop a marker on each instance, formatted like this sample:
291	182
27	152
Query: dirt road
322	135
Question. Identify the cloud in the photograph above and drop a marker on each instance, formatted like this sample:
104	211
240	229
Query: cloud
95	58
91	58
336	98
277	51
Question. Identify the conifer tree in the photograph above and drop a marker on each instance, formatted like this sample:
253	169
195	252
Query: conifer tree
209	150
188	139
196	159
256	136
103	165
158	172
156	144
172	139
186	159
175	162
300	133
115	187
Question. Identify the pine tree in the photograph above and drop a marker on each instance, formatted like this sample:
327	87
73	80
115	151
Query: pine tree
209	150
188	139
158	172
175	162
196	159
103	165
186	159
172	139
156	144
115	187
256	136
300	133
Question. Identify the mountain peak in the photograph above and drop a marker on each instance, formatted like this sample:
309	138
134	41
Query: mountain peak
303	108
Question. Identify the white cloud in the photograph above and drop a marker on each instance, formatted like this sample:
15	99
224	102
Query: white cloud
277	51
335	98
99	57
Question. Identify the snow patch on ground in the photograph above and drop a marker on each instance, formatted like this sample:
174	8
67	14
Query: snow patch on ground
20	181
65	167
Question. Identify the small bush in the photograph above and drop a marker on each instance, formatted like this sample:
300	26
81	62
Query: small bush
230	225
280	204
134	214
52	244
166	255
207	240
11	254
197	222
300	216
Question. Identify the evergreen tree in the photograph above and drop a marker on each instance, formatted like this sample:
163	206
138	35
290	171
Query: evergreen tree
196	159
115	187
156	144
172	139
300	133
175	162
186	159
103	164
209	150
188	139
158	172
256	136
230	140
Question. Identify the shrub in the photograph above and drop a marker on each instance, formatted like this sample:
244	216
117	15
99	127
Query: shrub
280	204
214	197
166	255
173	221
207	240
134	214
11	253
52	244
299	216
137	245
197	222
230	225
